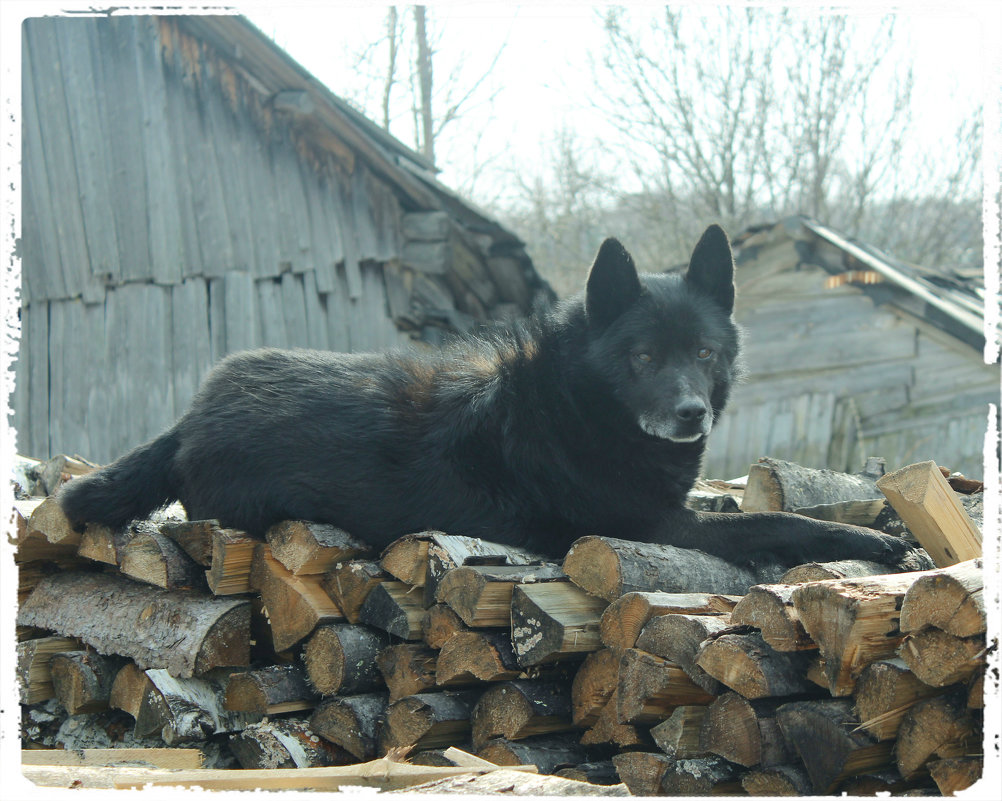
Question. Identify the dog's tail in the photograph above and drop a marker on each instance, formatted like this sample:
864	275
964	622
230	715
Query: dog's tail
129	488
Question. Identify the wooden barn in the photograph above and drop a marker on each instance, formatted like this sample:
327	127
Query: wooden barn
850	353
188	190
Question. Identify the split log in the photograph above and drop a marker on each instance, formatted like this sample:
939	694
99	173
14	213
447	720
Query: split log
296	605
607	730
82	680
230	561
678	638
270	691
440	623
940	659
885	691
482	594
678	734
854	513
447	551
778	486
348	583
951	599
769	608
642	771
428	720
194	537
193	707
306	548
930	509
940	726
154	558
102	544
828	738
406	558
34	659
623	619
745	732
44	532
853	621
520	709
709	775
608	568
822	571
472	657
547	753
651	687
135	694
395	608
602	773
553	621
185	633
407	669
748	666
342	658
780	780
351	722
976	692
956	774
285	744
594	683
510	781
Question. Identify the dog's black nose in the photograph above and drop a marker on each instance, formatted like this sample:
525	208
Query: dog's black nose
690	411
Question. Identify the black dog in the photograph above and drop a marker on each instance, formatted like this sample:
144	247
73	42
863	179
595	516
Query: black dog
590	419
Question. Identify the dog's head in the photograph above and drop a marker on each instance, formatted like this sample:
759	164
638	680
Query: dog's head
666	344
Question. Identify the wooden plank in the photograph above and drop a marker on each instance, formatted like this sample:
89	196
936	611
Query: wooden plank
294	309
316	314
326	252
848	348
170	758
240	312
190	344
32	420
271	316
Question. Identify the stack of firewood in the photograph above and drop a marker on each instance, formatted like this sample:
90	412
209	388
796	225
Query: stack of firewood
672	671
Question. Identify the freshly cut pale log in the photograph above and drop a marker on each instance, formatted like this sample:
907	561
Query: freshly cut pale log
348	583
46	533
940	659
677	638
82	680
406	558
780	780
651	687
270	691
194	536
428	720
547	753
393	607
482	594
285	744
553	621
745	732
608	568
709	775
102	544
777	486
296	605
341	658
352	722
821	571
448	551
230	561
186	633
854	513
678	734
770	609
34	674
745	664
520	709
193	707
594	683
976	692
407	669
306	548
623	619
607	730
930	509
941	726
511	781
154	558
830	742
951	599
134	693
956	774
440	623
471	657
885	691
642	771
853	621
172	758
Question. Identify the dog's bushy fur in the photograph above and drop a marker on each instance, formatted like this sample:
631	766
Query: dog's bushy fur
588	419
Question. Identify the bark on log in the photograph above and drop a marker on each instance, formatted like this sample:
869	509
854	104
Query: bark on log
781	780
748	666
520	709
348	583
285	744
745	732
270	691
428	720
608	568
34	659
956	774
440	623
341	658
602	773
623	619
709	775
778	486
770	609
394	608
154	558
885	691
351	722
306	548
678	734
594	683
822	571
446	552
607	730
677	638
651	687
230	561
941	726
472	657
940	659
930	509
553	621
547	753
185	633
82	680
482	594
193	707
407	669
829	741
135	694
951	599
642	771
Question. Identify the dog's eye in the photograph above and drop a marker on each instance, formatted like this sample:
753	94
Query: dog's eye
643	358
704	353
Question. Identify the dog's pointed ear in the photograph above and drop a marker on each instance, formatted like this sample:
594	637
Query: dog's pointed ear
711	268
613	285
